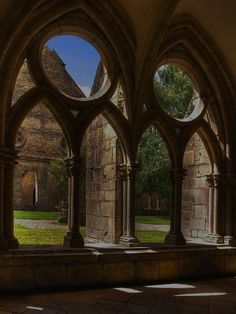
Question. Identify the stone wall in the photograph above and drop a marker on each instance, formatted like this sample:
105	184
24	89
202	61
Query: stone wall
40	140
103	212
103	155
195	190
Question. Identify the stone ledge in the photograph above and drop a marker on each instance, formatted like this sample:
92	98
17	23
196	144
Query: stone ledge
27	269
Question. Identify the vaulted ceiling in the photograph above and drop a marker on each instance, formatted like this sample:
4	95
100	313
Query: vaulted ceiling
216	17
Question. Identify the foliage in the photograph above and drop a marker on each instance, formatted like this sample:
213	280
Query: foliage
35	215
152	220
174	91
57	172
154	164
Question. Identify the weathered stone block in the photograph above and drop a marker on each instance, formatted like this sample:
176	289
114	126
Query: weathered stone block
90	274
49	277
100	223
194	233
169	269
16	278
230	264
148	271
110	195
118	272
189	158
198	223
198	211
108	209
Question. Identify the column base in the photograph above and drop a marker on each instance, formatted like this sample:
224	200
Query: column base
215	238
230	240
12	243
73	240
129	241
175	239
3	244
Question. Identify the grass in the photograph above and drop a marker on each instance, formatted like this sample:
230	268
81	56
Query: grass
40	215
153	220
153	236
55	236
35	215
40	236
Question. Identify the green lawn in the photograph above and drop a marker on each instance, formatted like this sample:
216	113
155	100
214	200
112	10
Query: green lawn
153	220
55	236
150	236
35	215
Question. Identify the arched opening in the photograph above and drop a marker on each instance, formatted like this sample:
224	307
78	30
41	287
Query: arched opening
29	189
103	187
153	189
196	199
176	92
77	59
40	181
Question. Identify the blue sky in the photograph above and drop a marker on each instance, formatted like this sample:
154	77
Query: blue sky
80	57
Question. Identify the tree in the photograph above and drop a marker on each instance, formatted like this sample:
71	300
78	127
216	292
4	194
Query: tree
154	164
174	91
58	173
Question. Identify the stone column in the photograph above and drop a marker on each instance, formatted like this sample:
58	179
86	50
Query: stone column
9	162
210	181
230	217
123	178
175	235
3	242
128	237
216	217
73	238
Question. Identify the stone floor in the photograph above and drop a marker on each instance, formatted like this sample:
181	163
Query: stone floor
209	297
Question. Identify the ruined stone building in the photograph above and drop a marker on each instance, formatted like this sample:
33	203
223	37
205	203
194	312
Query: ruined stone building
40	140
134	39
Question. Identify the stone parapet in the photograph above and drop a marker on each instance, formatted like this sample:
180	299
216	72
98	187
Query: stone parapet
24	270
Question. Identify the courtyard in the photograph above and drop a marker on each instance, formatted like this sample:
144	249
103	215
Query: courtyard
32	227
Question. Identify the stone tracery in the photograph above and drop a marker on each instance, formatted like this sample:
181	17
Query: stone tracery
119	56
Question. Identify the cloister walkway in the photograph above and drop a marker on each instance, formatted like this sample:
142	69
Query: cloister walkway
216	296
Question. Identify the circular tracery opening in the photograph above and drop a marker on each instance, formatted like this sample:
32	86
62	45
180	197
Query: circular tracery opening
74	66
176	93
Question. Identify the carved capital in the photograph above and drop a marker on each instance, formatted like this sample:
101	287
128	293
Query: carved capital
8	157
132	170
218	179
122	171
210	180
73	165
